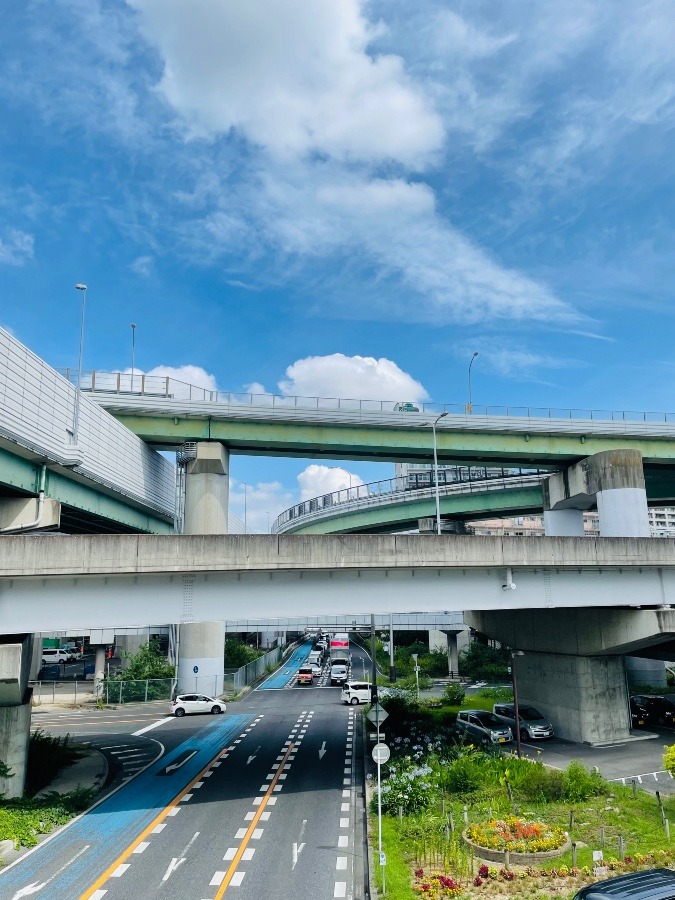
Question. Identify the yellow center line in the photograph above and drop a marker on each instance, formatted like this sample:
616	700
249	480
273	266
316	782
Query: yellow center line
146	831
251	828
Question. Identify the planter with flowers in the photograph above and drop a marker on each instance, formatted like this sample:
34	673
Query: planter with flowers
526	842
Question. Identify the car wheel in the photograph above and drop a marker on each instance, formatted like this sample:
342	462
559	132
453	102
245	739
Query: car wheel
523	734
215	710
179	712
354	701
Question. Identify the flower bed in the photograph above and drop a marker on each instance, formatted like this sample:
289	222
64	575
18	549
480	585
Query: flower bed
526	842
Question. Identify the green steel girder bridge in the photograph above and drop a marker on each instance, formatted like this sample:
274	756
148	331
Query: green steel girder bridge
167	413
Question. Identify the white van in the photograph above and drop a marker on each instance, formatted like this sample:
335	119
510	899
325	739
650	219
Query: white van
51	655
355	692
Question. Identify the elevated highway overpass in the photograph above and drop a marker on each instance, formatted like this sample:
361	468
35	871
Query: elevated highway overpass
168	413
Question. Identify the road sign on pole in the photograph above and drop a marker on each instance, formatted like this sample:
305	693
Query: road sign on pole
381	753
377	714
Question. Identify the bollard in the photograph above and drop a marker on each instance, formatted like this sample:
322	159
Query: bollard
571	819
447	834
400	815
634	788
465	814
442	806
507	859
451	821
661	810
666	825
602	837
574	854
621	847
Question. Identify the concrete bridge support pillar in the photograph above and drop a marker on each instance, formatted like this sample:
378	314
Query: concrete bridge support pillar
202	644
563	523
15	710
613	481
584	696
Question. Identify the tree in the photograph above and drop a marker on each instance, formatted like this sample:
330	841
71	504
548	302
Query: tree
480	662
147	662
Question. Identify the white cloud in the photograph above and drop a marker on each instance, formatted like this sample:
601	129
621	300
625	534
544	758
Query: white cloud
193	375
293	76
351	377
16	247
257	505
142	265
317	480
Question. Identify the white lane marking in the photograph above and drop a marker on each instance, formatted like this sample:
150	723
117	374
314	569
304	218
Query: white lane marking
207	774
344	807
186	797
37	886
341	862
174	811
271	801
257	833
344	823
198	785
248	853
215	764
257	801
343	840
141	847
253	756
346	781
158	829
150	727
297	850
346	793
175	766
281	777
278	787
97	895
340	889
265	816
217	879
173	865
237	879
230	854
240	834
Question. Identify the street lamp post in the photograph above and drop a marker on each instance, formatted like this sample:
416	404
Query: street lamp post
438	501
417	674
76	416
245	492
514	654
133	353
468	405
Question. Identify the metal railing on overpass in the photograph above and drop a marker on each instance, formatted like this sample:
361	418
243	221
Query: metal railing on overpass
155	387
407	489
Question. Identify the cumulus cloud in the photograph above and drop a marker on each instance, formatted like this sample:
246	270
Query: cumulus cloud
142	265
293	76
188	374
317	480
254	507
16	247
355	377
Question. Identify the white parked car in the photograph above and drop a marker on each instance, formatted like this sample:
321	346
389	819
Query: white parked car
196	703
317	669
356	692
51	655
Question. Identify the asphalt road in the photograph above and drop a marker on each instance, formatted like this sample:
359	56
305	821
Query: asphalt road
265	800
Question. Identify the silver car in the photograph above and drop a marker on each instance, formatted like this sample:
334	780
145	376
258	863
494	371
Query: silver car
483	726
533	724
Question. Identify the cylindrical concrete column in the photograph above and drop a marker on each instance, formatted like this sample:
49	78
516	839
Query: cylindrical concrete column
623	512
563	523
207	490
453	654
202	644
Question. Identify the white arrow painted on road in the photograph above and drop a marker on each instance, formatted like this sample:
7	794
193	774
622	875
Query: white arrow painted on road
322	751
299	847
37	886
179	860
251	758
175	766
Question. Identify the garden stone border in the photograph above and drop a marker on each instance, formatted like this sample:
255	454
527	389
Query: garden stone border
519	859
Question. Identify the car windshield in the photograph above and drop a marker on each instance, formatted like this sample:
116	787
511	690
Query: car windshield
488	720
530	713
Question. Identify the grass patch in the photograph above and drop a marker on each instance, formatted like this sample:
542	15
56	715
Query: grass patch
397	870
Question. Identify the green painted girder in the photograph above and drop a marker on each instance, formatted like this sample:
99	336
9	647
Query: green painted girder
22	475
409	444
405	514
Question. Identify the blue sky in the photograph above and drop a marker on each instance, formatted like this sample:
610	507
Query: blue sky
345	198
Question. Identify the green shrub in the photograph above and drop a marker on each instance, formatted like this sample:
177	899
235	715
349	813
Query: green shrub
669	759
454	694
538	783
23	820
47	755
462	776
497	694
580	784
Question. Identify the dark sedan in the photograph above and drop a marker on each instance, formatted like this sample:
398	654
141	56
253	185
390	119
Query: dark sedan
649	709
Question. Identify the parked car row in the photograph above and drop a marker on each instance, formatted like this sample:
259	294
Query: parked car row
499	726
651	710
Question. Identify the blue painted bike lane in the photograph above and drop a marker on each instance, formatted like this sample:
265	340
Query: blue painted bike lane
79	854
287	672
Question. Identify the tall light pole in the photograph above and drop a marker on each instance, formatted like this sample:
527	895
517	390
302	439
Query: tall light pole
417	673
468	405
438	501
133	353
245	491
514	654
76	416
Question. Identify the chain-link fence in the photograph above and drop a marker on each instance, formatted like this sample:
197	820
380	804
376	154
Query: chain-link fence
114	691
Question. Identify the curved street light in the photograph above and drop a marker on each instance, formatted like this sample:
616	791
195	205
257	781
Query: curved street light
468	405
438	501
